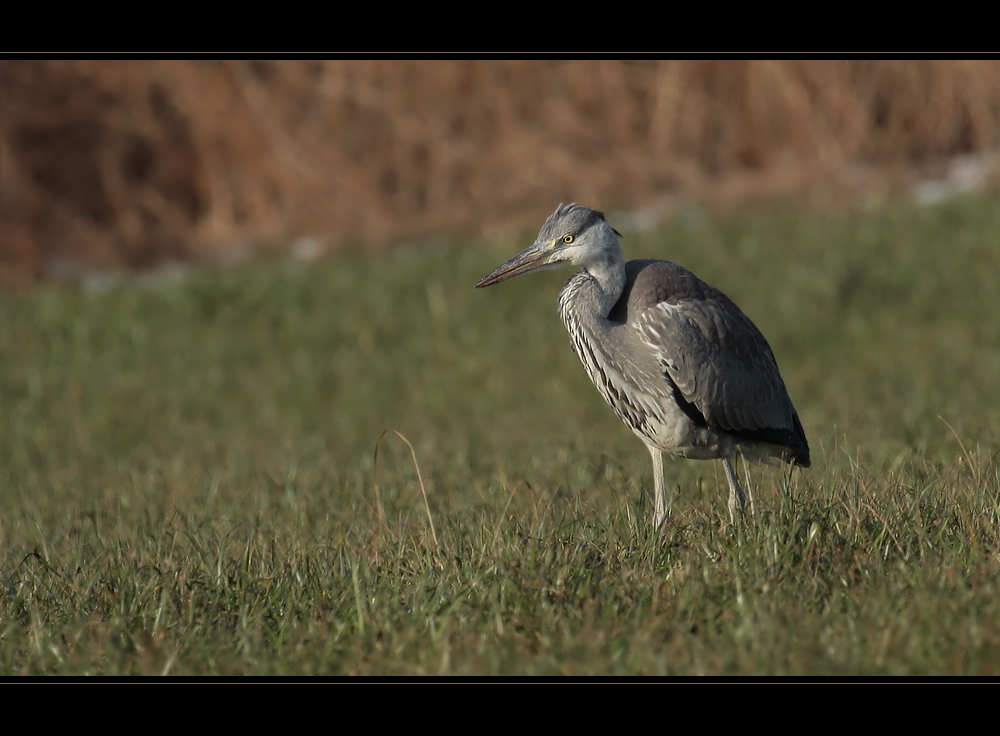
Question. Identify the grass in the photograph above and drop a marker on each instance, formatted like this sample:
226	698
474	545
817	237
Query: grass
188	472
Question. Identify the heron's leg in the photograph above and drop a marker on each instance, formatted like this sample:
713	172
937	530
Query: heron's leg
735	492
746	478
660	505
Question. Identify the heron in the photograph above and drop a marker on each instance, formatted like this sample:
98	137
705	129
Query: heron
675	358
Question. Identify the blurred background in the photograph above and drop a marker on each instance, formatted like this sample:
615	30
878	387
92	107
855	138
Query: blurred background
132	164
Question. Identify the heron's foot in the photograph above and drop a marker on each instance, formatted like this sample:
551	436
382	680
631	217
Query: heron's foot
660	517
739	511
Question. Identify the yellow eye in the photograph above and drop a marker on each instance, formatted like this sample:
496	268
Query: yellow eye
567	239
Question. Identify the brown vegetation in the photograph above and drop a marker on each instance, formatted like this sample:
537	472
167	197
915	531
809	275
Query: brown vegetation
121	163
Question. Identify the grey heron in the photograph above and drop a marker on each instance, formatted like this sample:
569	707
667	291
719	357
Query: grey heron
675	358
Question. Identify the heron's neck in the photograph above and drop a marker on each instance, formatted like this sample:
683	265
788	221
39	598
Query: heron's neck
607	282
588	296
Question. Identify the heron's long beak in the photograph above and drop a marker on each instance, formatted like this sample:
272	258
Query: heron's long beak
527	260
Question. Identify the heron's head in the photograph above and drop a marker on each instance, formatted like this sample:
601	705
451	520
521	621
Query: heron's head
572	233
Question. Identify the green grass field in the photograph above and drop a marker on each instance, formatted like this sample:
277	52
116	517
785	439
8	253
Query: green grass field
188	481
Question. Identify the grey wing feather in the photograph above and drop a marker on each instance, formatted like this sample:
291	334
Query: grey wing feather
713	353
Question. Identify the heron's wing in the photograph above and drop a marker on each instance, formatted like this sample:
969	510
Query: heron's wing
713	354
